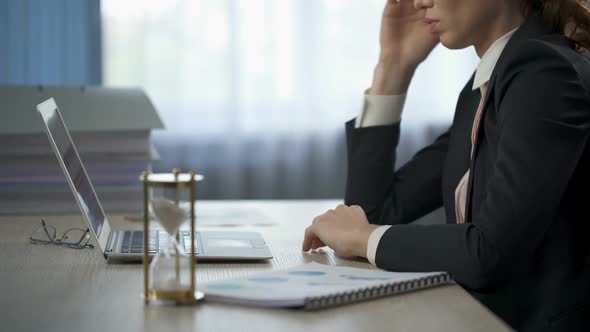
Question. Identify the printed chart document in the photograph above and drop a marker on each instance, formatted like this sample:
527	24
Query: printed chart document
314	286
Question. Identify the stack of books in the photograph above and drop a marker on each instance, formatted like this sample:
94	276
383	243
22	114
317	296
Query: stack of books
111	129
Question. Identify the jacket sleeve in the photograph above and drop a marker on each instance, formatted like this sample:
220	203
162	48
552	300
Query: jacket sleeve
543	134
389	197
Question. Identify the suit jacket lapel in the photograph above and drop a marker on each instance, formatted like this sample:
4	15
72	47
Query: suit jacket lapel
489	93
531	28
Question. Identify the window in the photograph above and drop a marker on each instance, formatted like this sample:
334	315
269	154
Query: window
255	72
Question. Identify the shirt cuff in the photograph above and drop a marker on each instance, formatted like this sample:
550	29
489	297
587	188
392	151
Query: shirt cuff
380	110
373	243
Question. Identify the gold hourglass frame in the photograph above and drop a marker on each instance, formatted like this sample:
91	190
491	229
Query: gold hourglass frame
176	181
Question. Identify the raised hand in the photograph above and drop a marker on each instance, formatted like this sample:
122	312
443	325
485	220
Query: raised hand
406	40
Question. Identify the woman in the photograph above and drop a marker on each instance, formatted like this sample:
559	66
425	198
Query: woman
512	172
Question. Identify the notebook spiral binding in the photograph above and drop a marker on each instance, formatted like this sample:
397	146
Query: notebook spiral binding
382	290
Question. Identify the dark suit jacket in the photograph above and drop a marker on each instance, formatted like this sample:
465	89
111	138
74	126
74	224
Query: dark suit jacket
524	250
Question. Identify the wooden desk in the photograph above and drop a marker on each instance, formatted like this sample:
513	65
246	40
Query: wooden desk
51	288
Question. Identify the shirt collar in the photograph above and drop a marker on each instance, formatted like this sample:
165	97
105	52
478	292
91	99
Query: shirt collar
489	60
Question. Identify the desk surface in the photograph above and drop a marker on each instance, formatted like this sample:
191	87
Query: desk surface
51	288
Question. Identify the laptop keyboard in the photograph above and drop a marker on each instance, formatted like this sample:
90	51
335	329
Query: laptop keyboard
133	241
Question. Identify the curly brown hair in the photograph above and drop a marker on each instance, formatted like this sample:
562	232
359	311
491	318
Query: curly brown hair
570	18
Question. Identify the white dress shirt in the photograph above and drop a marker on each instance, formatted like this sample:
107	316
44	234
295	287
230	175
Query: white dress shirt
387	110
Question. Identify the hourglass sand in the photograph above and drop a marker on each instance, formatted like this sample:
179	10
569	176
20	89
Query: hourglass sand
170	217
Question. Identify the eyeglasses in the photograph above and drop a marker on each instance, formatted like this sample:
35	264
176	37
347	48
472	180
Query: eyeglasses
46	234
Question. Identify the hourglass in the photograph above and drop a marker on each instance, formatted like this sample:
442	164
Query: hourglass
170	277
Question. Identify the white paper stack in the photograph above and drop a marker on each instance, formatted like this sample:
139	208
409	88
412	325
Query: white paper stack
114	151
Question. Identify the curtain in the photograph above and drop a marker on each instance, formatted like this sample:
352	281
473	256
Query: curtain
255	93
54	42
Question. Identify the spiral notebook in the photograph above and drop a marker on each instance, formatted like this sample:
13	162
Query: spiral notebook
313	286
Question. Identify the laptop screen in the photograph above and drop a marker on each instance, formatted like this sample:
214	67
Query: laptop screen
73	169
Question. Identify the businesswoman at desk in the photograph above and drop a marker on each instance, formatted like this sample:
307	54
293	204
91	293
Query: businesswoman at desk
512	172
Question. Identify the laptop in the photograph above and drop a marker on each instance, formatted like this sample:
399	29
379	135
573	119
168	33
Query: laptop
127	245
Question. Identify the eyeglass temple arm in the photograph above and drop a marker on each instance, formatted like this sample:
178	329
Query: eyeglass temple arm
46	231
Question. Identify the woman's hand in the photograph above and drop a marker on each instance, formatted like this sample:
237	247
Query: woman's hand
406	41
345	229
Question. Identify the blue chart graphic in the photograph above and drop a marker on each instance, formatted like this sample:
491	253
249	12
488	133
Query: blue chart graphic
224	286
269	279
351	277
307	273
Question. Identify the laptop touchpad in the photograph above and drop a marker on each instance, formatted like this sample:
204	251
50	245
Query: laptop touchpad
231	243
